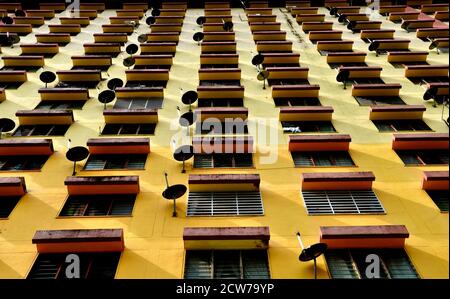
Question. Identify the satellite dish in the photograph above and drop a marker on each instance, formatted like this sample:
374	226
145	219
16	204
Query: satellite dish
156	12
198	37
106	96
343	77
7	20
351	25
13	39
173	193
189	97
228	26
258	59
150	20
432	94
19	13
333	11
374	45
142	38
433	45
76	154
262	76
201	20
342	18
187	119
6	125
132	49
311	253
129	61
47	77
114	83
183	153
405	25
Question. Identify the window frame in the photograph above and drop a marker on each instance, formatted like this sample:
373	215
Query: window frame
131	101
419	157
138	129
12	199
89	198
317	124
393	122
26	162
107	159
313	157
50	129
214	156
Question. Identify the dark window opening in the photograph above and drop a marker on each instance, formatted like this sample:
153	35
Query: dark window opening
223	160
423	157
317	159
99	205
18	163
41	130
111	162
307	126
129	129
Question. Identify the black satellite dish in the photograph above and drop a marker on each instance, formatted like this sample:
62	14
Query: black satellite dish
201	20
7	20
373	47
47	77
198	37
114	83
311	253
351	25
262	76
189	97
343	77
142	38
156	12
187	119
106	96
405	25
150	20
173	193
77	154
257	60
183	153
13	39
430	93
434	45
228	26
342	18
132	49
19	13
129	62
333	11
6	125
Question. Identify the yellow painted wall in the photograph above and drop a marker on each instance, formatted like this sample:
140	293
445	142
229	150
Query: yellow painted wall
153	239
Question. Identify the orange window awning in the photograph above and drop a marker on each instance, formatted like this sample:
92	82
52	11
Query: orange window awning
337	180
19	147
79	185
224	182
420	141
79	240
381	236
328	142
119	145
435	180
12	186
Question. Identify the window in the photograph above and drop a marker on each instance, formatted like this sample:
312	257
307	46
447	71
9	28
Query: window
423	157
220	102
401	125
22	162
93	265
103	162
382	100
394	263
307	126
223	160
41	130
129	129
440	198
225	203
60	105
99	205
220	83
150	103
316	159
328	202
287	81
229	127
7	204
296	102
226	264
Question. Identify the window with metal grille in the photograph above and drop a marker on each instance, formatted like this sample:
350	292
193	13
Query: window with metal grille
440	198
307	127
60	104
381	100
226	264
99	205
92	265
401	125
279	102
328	202
41	130
423	157
7	204
220	83
317	159
223	160
220	102
103	162
243	203
351	263
129	129
150	103
11	163
228	127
